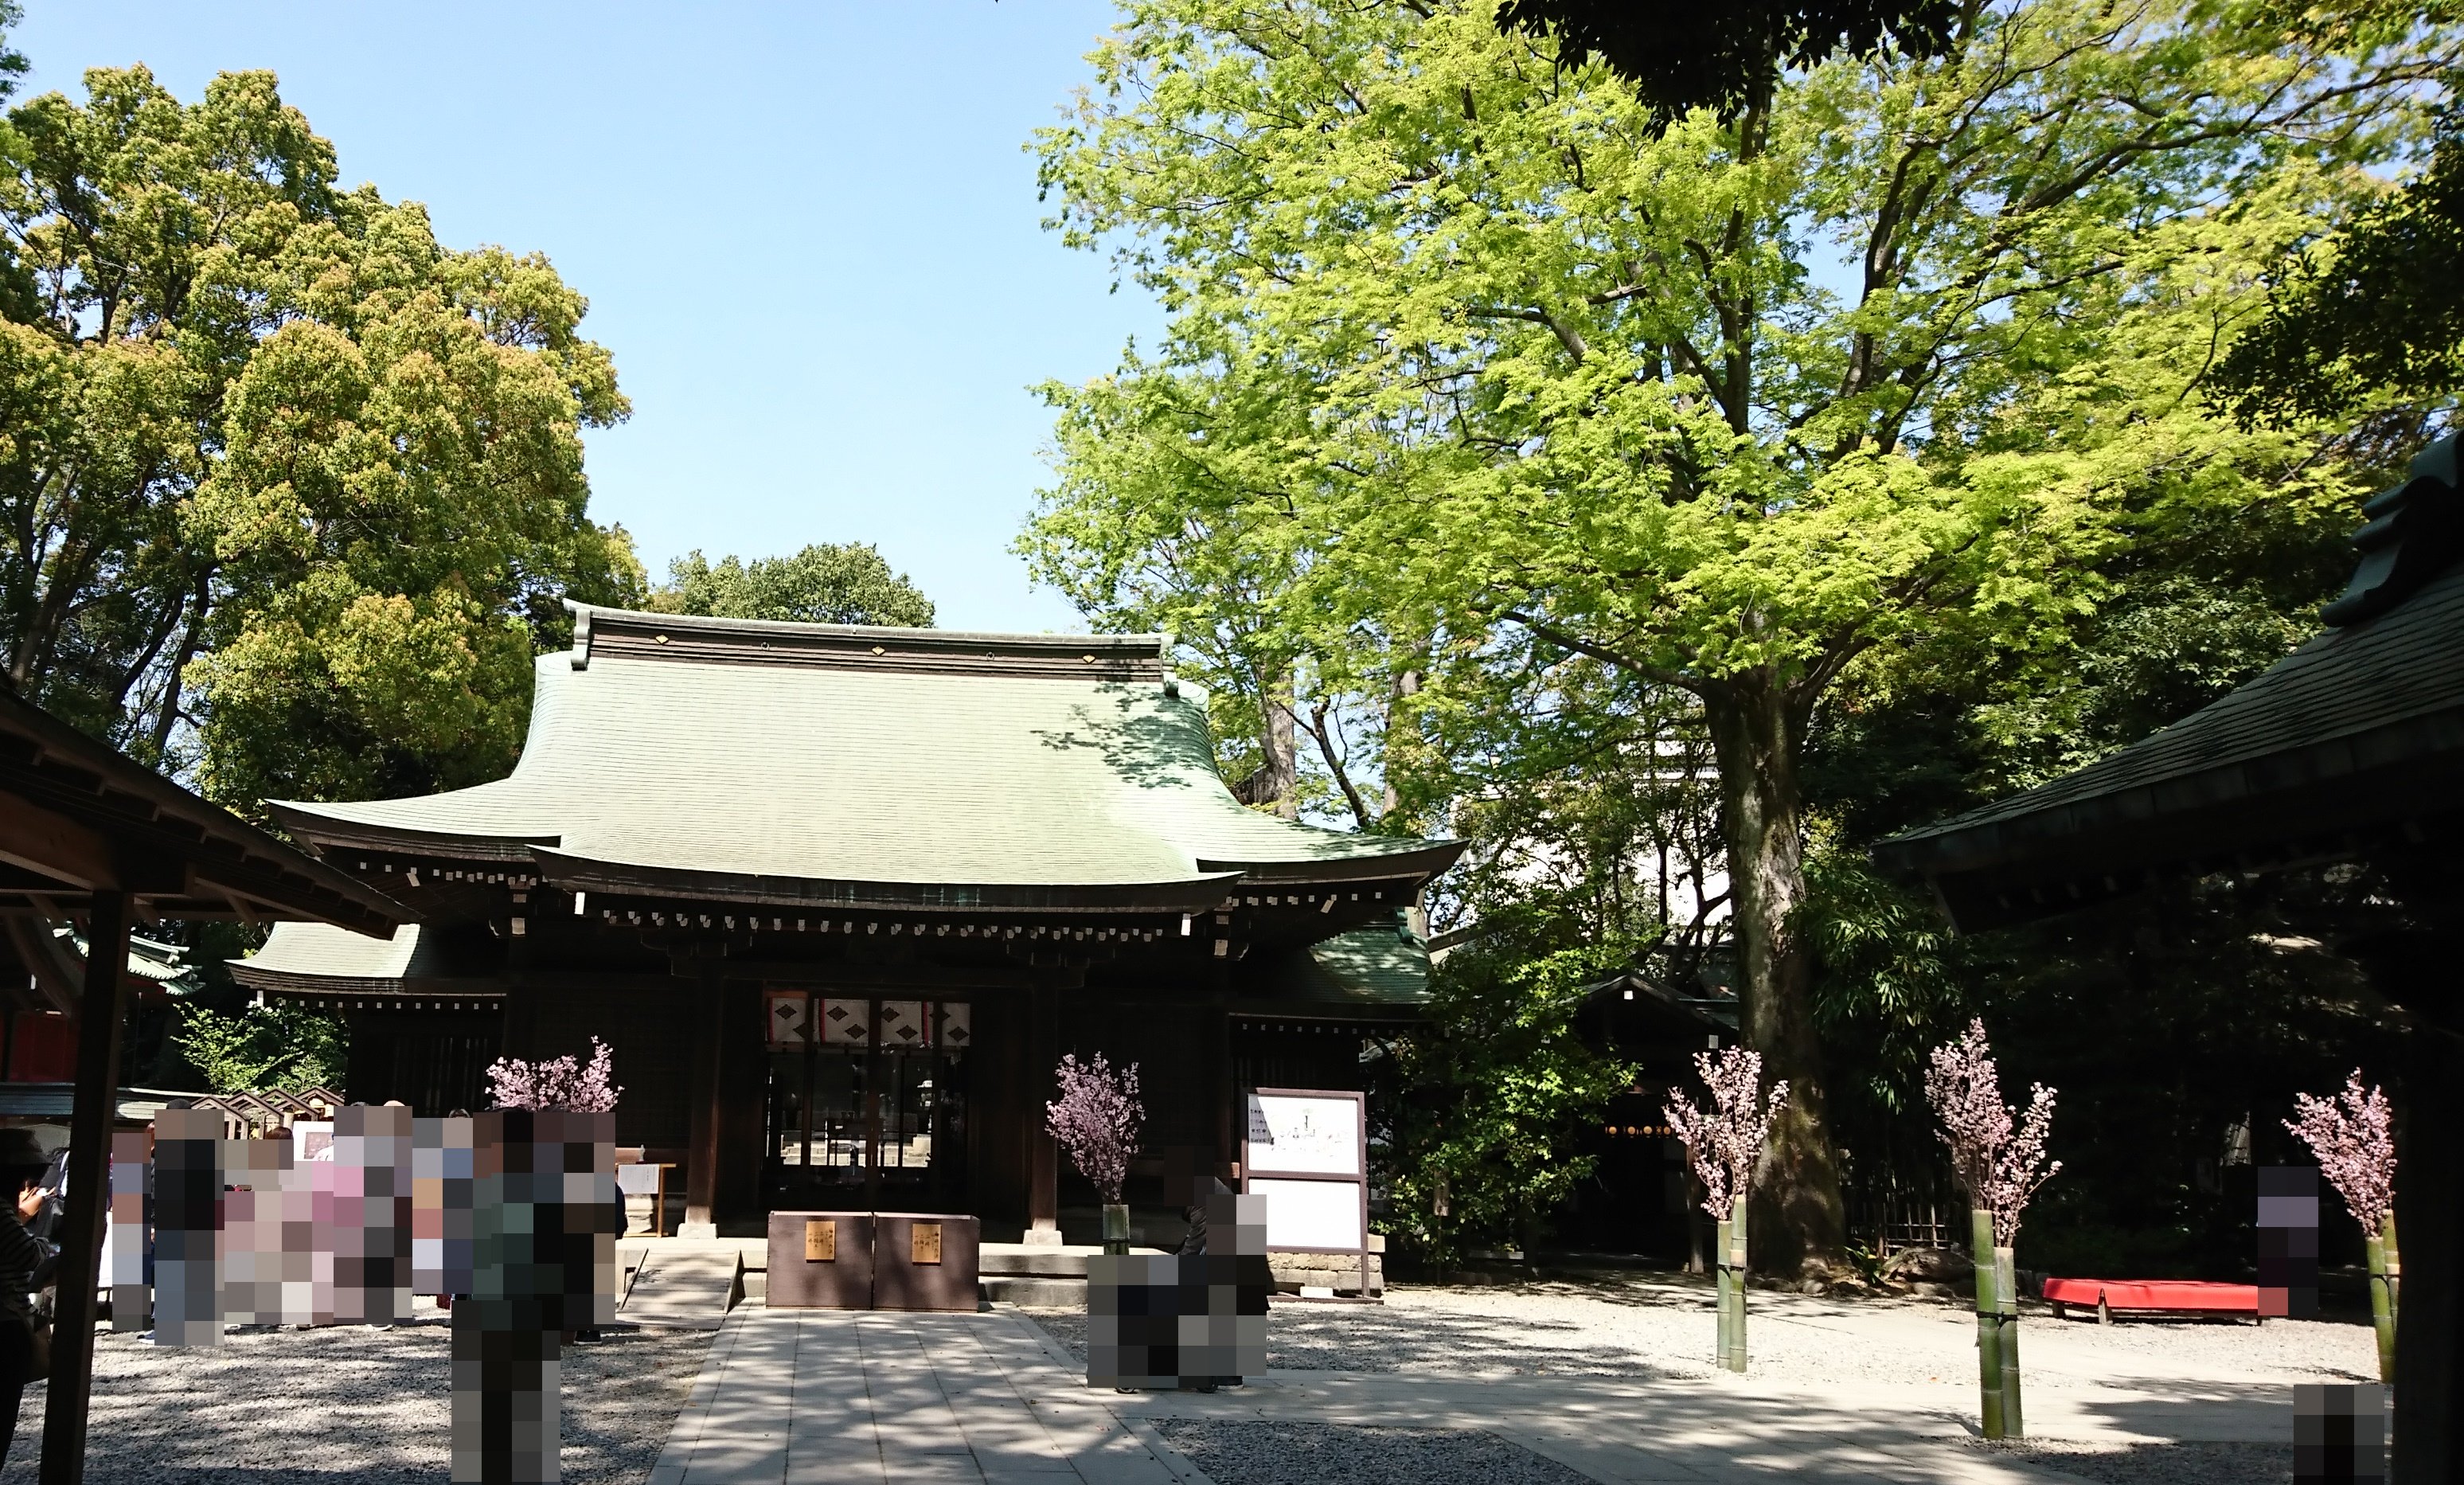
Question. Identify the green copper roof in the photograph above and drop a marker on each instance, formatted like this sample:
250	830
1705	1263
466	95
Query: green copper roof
854	755
330	953
1369	967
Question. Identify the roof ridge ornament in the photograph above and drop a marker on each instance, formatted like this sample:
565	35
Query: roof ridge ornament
2415	532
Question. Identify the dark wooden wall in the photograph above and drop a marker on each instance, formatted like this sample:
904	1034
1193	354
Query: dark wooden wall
434	1061
648	1026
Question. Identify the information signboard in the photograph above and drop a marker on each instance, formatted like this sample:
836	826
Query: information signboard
1306	1152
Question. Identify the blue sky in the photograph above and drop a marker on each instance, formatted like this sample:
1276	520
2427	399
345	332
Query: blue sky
808	235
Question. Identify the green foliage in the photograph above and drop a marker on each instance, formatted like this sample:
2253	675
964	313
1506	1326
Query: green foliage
823	584
1485	373
1488	1102
13	62
290	490
1893	983
2376	309
264	1047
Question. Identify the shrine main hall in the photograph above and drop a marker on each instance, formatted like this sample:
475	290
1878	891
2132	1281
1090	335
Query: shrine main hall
839	897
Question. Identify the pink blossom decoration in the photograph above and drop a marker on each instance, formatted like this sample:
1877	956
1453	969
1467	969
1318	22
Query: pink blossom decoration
1994	1152
2353	1135
557	1083
1725	1142
1096	1120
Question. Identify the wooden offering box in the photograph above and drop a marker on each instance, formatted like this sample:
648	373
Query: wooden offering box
923	1261
820	1260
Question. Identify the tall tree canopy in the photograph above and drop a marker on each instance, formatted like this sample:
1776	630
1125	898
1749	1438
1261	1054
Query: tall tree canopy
288	489
2377	308
823	584
1573	414
1727	57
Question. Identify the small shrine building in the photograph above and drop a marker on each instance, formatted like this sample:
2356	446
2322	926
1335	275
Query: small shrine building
839	898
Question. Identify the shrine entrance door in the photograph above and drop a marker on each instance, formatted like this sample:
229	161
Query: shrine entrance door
868	1102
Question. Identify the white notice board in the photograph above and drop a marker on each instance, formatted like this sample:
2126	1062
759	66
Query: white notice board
1316	1215
1308	1154
1313	1134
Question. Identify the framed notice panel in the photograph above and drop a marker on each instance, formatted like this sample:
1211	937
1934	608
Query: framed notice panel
1307	1151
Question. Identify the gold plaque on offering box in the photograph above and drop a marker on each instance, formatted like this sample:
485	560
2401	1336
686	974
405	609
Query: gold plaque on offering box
924	1243
820	1240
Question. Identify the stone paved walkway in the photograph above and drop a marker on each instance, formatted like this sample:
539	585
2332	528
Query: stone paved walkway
870	1396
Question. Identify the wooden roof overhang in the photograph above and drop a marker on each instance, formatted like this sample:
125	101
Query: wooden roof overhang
78	818
85	832
2351	744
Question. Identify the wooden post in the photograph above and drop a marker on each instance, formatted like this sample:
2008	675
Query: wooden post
1042	1157
2430	1202
98	1090
1989	1324
701	1161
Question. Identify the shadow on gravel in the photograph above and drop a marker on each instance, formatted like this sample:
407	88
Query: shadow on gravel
1369	1338
350	1403
2158	1464
1259	1452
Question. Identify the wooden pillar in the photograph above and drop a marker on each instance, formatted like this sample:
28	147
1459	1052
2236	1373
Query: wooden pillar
97	1087
701	1159
1043	1156
1224	1086
744	1100
2430	1219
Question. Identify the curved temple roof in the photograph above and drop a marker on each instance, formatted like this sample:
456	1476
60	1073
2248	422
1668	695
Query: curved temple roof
844	763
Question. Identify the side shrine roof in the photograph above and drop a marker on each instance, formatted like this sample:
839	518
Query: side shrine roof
2358	733
833	762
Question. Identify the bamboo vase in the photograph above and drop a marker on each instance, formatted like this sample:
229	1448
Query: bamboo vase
1732	1261
1989	1325
2005	1307
1722	1279
2386	1273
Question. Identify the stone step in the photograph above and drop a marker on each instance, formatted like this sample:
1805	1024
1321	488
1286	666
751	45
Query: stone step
1039	1260
1036	1291
685	1289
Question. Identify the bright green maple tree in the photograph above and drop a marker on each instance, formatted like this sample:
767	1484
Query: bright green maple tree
1734	409
288	489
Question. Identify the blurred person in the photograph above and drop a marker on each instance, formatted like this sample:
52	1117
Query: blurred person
25	1339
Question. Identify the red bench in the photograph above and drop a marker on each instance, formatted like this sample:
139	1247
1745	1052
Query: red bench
2162	1296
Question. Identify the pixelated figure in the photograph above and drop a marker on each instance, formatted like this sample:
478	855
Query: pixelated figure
368	1212
188	1228
2288	1241
128	1267
514	1214
269	1243
2339	1434
1189	1320
441	1163
545	1217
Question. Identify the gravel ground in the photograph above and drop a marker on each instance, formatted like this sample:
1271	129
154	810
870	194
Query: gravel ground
1663	1327
2160	1464
1252	1453
350	1403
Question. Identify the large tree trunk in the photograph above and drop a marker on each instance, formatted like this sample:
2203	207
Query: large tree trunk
1279	740
1755	731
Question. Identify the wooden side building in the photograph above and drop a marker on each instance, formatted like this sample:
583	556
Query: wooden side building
839	898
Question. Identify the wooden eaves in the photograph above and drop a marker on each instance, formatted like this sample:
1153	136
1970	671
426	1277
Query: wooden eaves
86	833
